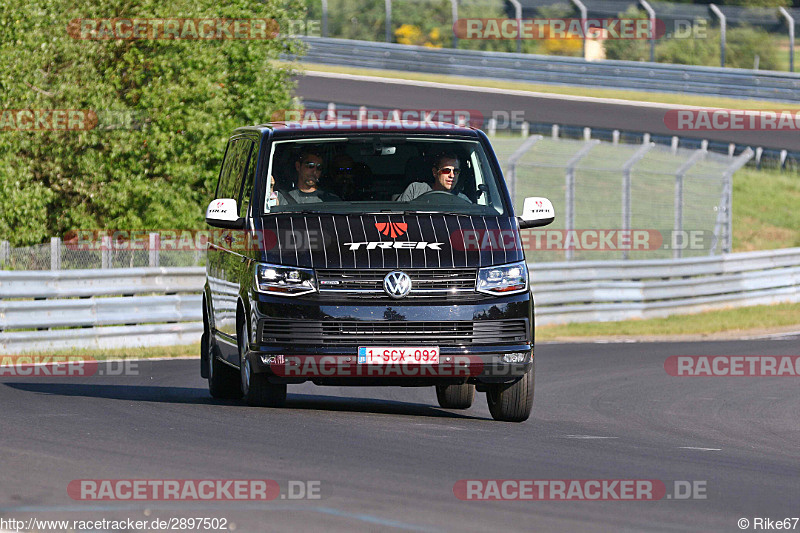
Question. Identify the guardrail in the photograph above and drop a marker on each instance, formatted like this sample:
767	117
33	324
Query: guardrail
631	75
59	310
621	290
56	310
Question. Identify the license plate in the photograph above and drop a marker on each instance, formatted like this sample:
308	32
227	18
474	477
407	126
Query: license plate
410	355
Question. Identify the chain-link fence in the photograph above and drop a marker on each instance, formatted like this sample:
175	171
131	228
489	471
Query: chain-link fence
621	201
109	253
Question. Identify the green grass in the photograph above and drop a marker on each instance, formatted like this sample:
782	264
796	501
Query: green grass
640	96
765	210
126	353
742	319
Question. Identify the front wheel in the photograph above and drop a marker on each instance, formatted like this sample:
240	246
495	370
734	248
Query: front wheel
256	388
455	396
223	383
512	402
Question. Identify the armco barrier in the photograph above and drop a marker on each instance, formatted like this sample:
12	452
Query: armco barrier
99	308
620	290
631	75
162	306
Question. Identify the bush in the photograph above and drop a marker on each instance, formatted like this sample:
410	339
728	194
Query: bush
156	171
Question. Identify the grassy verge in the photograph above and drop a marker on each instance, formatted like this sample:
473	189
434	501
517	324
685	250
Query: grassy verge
127	353
639	96
765	214
740	320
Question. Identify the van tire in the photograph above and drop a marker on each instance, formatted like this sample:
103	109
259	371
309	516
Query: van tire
223	381
455	396
257	391
512	402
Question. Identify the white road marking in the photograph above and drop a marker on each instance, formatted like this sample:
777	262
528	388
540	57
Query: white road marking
586	437
701	449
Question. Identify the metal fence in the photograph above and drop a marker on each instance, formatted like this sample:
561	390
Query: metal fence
677	200
433	21
46	311
631	75
61	310
107	252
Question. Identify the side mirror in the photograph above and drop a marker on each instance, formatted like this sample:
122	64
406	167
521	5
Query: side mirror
224	213
536	212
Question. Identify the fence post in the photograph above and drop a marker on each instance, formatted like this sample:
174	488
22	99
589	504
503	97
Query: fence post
492	127
584	16
678	226
55	253
512	164
626	187
454	10
518	16
724	222
652	14
5	252
324	18
105	251
154	248
722	27
569	191
388	21
790	22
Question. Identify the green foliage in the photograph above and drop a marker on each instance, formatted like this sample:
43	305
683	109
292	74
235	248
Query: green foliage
743	44
185	96
365	20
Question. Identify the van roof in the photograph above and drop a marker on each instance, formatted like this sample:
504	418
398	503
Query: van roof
313	127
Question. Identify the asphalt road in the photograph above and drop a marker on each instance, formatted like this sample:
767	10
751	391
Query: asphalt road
595	113
388	458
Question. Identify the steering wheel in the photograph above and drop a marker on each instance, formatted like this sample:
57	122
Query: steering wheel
448	194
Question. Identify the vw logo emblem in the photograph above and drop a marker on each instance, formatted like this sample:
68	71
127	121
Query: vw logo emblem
397	284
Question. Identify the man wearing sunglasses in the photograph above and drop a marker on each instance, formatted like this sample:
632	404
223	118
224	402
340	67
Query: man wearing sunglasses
309	169
446	170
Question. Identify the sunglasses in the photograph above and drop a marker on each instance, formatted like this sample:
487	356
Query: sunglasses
448	170
312	165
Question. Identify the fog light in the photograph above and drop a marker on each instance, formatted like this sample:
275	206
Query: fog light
518	357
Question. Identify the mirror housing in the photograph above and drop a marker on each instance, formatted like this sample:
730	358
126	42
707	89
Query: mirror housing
224	213
536	212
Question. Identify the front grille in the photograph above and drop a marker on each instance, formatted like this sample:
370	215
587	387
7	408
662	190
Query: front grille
425	283
362	333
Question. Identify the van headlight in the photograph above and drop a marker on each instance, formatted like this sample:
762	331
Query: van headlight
505	279
285	281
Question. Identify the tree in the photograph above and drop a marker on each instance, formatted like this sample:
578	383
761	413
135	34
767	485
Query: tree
164	109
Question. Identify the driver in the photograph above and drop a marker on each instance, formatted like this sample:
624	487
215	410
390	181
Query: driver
446	169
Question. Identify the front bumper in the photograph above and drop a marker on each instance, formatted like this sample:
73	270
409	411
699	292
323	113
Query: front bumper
312	352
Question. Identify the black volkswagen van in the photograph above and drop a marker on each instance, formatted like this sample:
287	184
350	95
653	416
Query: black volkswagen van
380	253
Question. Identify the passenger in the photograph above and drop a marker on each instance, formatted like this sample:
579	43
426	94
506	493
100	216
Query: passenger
309	169
343	173
446	169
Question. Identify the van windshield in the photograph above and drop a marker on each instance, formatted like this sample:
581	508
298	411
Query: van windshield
382	173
